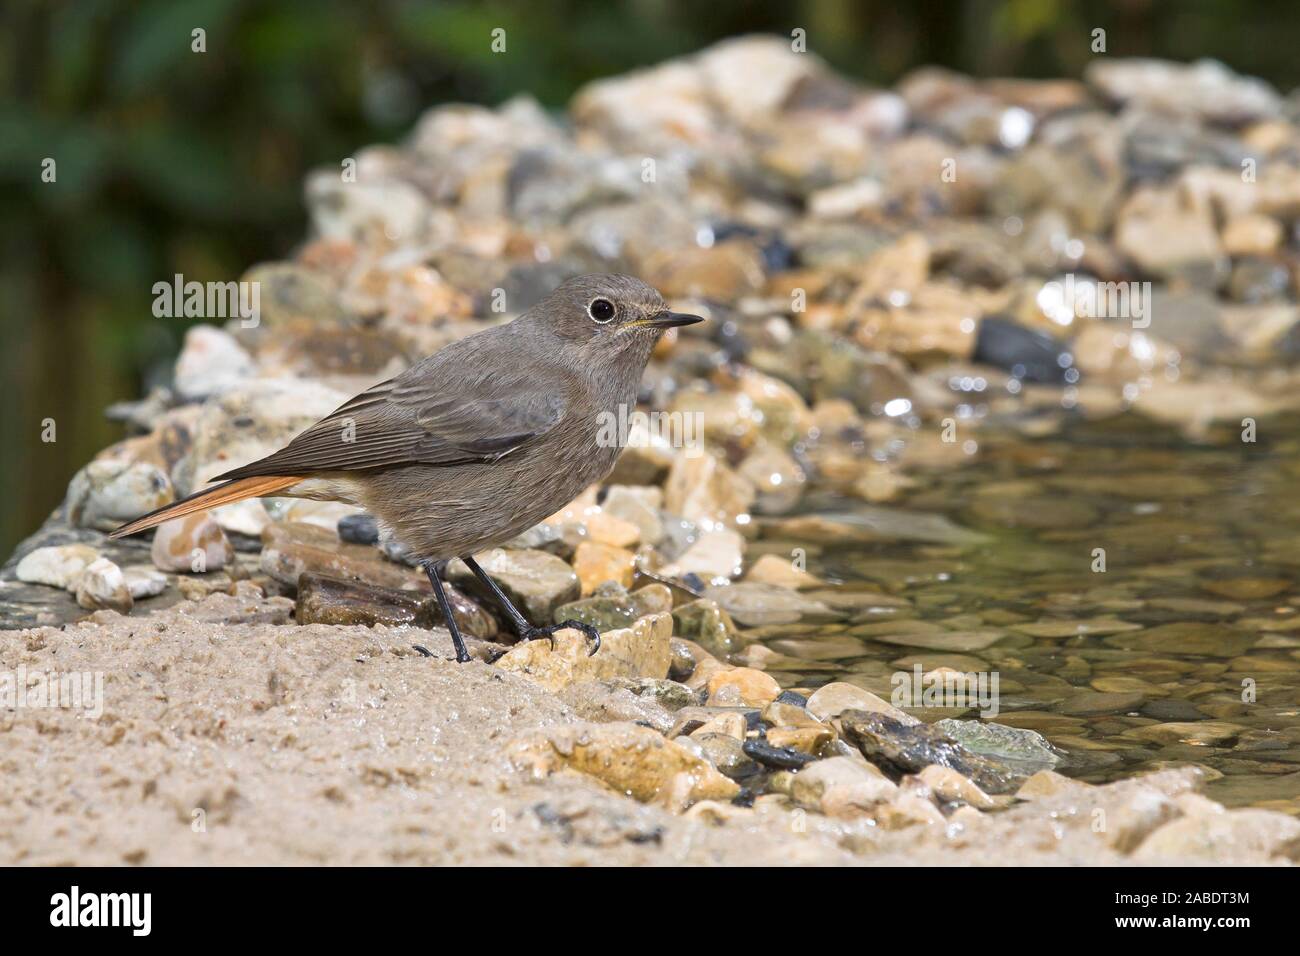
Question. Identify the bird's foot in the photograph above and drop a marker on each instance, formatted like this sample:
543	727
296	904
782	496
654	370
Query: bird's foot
537	633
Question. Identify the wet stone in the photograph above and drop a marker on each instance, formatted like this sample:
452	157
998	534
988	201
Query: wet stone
898	749
707	624
1025	353
1094	702
1018	748
1188	637
728	755
612	606
754	604
1172	710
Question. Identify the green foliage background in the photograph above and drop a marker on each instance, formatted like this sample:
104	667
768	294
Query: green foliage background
173	161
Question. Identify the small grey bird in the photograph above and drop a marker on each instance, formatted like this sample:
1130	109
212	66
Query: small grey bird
478	442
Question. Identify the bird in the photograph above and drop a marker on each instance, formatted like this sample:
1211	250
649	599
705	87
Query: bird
478	442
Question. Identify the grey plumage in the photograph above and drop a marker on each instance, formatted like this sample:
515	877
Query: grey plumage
483	439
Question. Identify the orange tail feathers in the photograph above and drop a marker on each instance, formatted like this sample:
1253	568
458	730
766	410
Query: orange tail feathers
235	490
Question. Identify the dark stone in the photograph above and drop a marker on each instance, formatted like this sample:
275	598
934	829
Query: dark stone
1027	354
693	581
790	697
778	255
780	757
359	529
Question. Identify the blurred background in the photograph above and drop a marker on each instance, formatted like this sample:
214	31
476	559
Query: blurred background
171	161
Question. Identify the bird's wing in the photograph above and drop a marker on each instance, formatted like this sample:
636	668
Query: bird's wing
424	418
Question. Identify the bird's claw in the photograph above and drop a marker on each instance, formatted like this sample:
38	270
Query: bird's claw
535	633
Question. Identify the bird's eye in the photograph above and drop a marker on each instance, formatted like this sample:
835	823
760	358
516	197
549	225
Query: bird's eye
601	310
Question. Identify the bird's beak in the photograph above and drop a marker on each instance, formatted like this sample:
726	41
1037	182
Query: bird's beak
667	320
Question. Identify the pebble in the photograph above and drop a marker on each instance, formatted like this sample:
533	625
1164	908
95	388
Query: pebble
1222	837
59	566
143	581
837	697
109	492
1091	703
1025	750
641	650
702	489
730	724
716	555
778	480
841	787
708	625
1046	783
899	748
754	604
102	585
1172	710
638	505
1209	733
951	787
611	606
596	564
194	544
727	754
742	685
808	740
607	529
291	549
782	572
637	761
210	362
1187	637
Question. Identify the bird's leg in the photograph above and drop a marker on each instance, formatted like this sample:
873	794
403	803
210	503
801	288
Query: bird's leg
526	631
434	569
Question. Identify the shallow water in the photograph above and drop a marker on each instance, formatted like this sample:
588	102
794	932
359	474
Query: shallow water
1185	648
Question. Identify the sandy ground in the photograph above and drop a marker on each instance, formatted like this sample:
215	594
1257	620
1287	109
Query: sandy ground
257	742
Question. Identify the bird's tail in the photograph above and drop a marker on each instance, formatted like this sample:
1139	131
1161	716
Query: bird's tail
236	489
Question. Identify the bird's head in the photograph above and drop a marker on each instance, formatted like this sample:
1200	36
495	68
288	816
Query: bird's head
608	314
